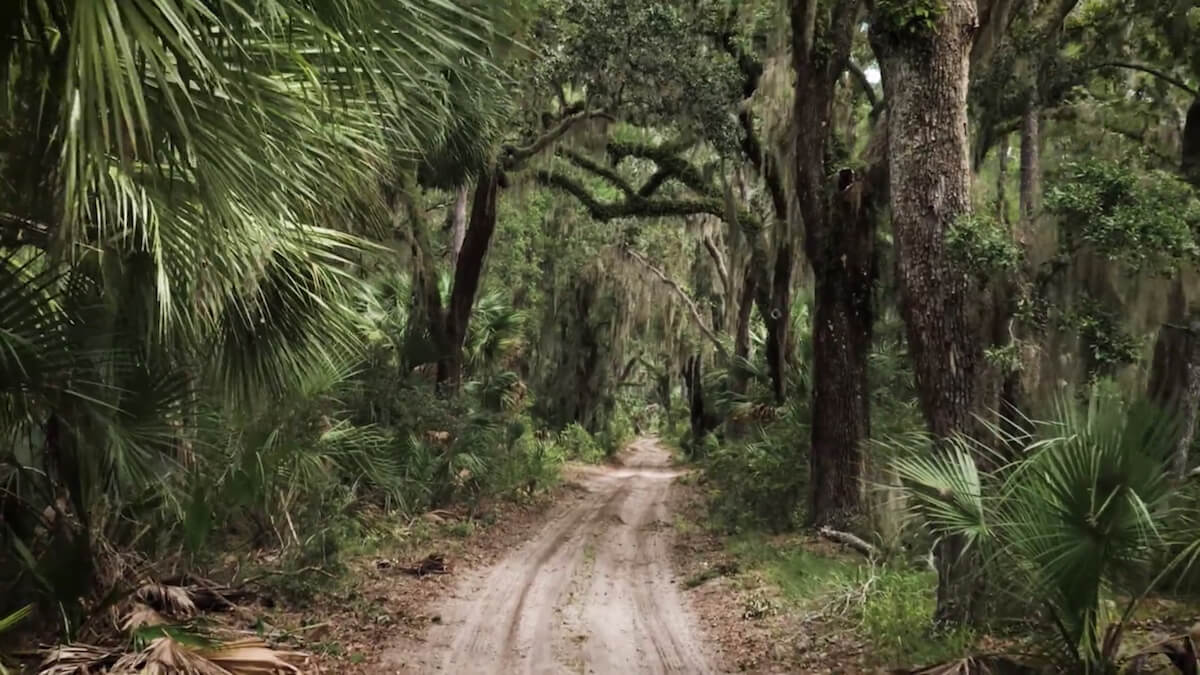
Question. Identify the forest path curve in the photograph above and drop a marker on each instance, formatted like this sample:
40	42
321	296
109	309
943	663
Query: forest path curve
592	592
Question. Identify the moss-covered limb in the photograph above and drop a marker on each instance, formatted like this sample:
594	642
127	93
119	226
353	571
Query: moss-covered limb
513	156
631	207
687	300
635	206
604	172
669	160
652	184
752	149
1149	70
619	150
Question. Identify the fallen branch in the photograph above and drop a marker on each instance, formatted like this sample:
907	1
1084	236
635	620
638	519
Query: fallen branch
434	564
847	539
287	573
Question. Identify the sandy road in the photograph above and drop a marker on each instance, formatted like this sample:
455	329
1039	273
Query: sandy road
592	592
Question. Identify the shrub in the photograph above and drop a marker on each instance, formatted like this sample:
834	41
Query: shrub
1079	518
580	445
757	484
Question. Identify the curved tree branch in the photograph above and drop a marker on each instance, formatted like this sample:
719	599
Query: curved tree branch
512	156
641	202
753	151
860	76
632	207
1149	70
697	317
657	180
718	260
604	172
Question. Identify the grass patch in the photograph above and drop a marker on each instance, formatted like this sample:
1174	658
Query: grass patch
896	610
710	573
889	607
461	528
801	575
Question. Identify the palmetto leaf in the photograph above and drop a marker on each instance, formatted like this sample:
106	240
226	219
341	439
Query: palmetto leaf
8	622
946	489
191	180
1075	518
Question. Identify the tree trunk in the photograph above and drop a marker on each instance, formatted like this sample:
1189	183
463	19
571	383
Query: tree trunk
1174	382
1031	171
702	421
741	330
663	388
427	300
1190	164
777	318
1002	181
840	245
467	274
1187	424
925	75
458	225
738	381
843	318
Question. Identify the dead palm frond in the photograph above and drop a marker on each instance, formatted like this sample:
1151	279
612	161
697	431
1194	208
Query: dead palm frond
77	659
168	656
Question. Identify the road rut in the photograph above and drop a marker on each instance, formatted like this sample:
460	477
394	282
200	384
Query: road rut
592	592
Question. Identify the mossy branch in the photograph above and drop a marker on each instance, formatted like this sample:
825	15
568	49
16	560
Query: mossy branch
687	300
1149	70
513	156
604	172
633	206
642	202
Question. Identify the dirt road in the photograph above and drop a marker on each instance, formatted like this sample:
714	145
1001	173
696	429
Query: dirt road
592	592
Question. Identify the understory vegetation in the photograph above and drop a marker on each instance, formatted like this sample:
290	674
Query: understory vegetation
911	284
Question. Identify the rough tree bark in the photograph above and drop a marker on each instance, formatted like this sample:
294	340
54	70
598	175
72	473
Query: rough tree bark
840	243
1031	171
925	76
1013	397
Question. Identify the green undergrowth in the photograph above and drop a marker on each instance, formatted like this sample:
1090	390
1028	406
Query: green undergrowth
888	606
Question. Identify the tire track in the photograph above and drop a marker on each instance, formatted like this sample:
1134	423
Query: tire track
522	616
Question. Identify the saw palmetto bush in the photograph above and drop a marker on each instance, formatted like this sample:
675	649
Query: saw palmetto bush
185	185
1081	522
